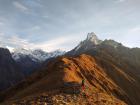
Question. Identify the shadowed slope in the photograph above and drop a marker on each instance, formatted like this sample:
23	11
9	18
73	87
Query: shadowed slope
120	63
10	73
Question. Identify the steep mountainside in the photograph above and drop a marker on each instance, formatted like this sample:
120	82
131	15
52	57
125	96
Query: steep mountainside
60	80
113	56
9	71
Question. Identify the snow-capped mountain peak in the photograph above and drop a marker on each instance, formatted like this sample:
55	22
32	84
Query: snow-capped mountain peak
93	38
35	55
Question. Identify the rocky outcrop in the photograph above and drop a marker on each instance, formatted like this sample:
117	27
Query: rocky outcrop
9	70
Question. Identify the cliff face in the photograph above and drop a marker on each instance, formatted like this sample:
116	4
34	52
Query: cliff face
9	71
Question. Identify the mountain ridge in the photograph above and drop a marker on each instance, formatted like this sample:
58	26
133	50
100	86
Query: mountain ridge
107	66
124	58
68	70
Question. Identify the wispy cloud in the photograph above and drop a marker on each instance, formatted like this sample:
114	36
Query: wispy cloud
120	1
1	34
51	45
20	6
135	30
39	20
45	16
13	41
130	37
35	28
17	41
54	44
1	23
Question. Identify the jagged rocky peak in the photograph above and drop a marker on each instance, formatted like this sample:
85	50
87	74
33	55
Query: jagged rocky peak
112	43
4	51
91	35
93	38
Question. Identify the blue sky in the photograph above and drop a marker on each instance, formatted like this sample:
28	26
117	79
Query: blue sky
62	24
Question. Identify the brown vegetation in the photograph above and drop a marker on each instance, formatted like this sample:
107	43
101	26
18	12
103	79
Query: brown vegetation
61	76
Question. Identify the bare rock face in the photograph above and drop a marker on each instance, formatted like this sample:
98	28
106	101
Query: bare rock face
92	37
9	71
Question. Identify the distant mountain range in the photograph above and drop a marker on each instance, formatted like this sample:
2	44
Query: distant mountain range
111	72
30	60
15	66
36	55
